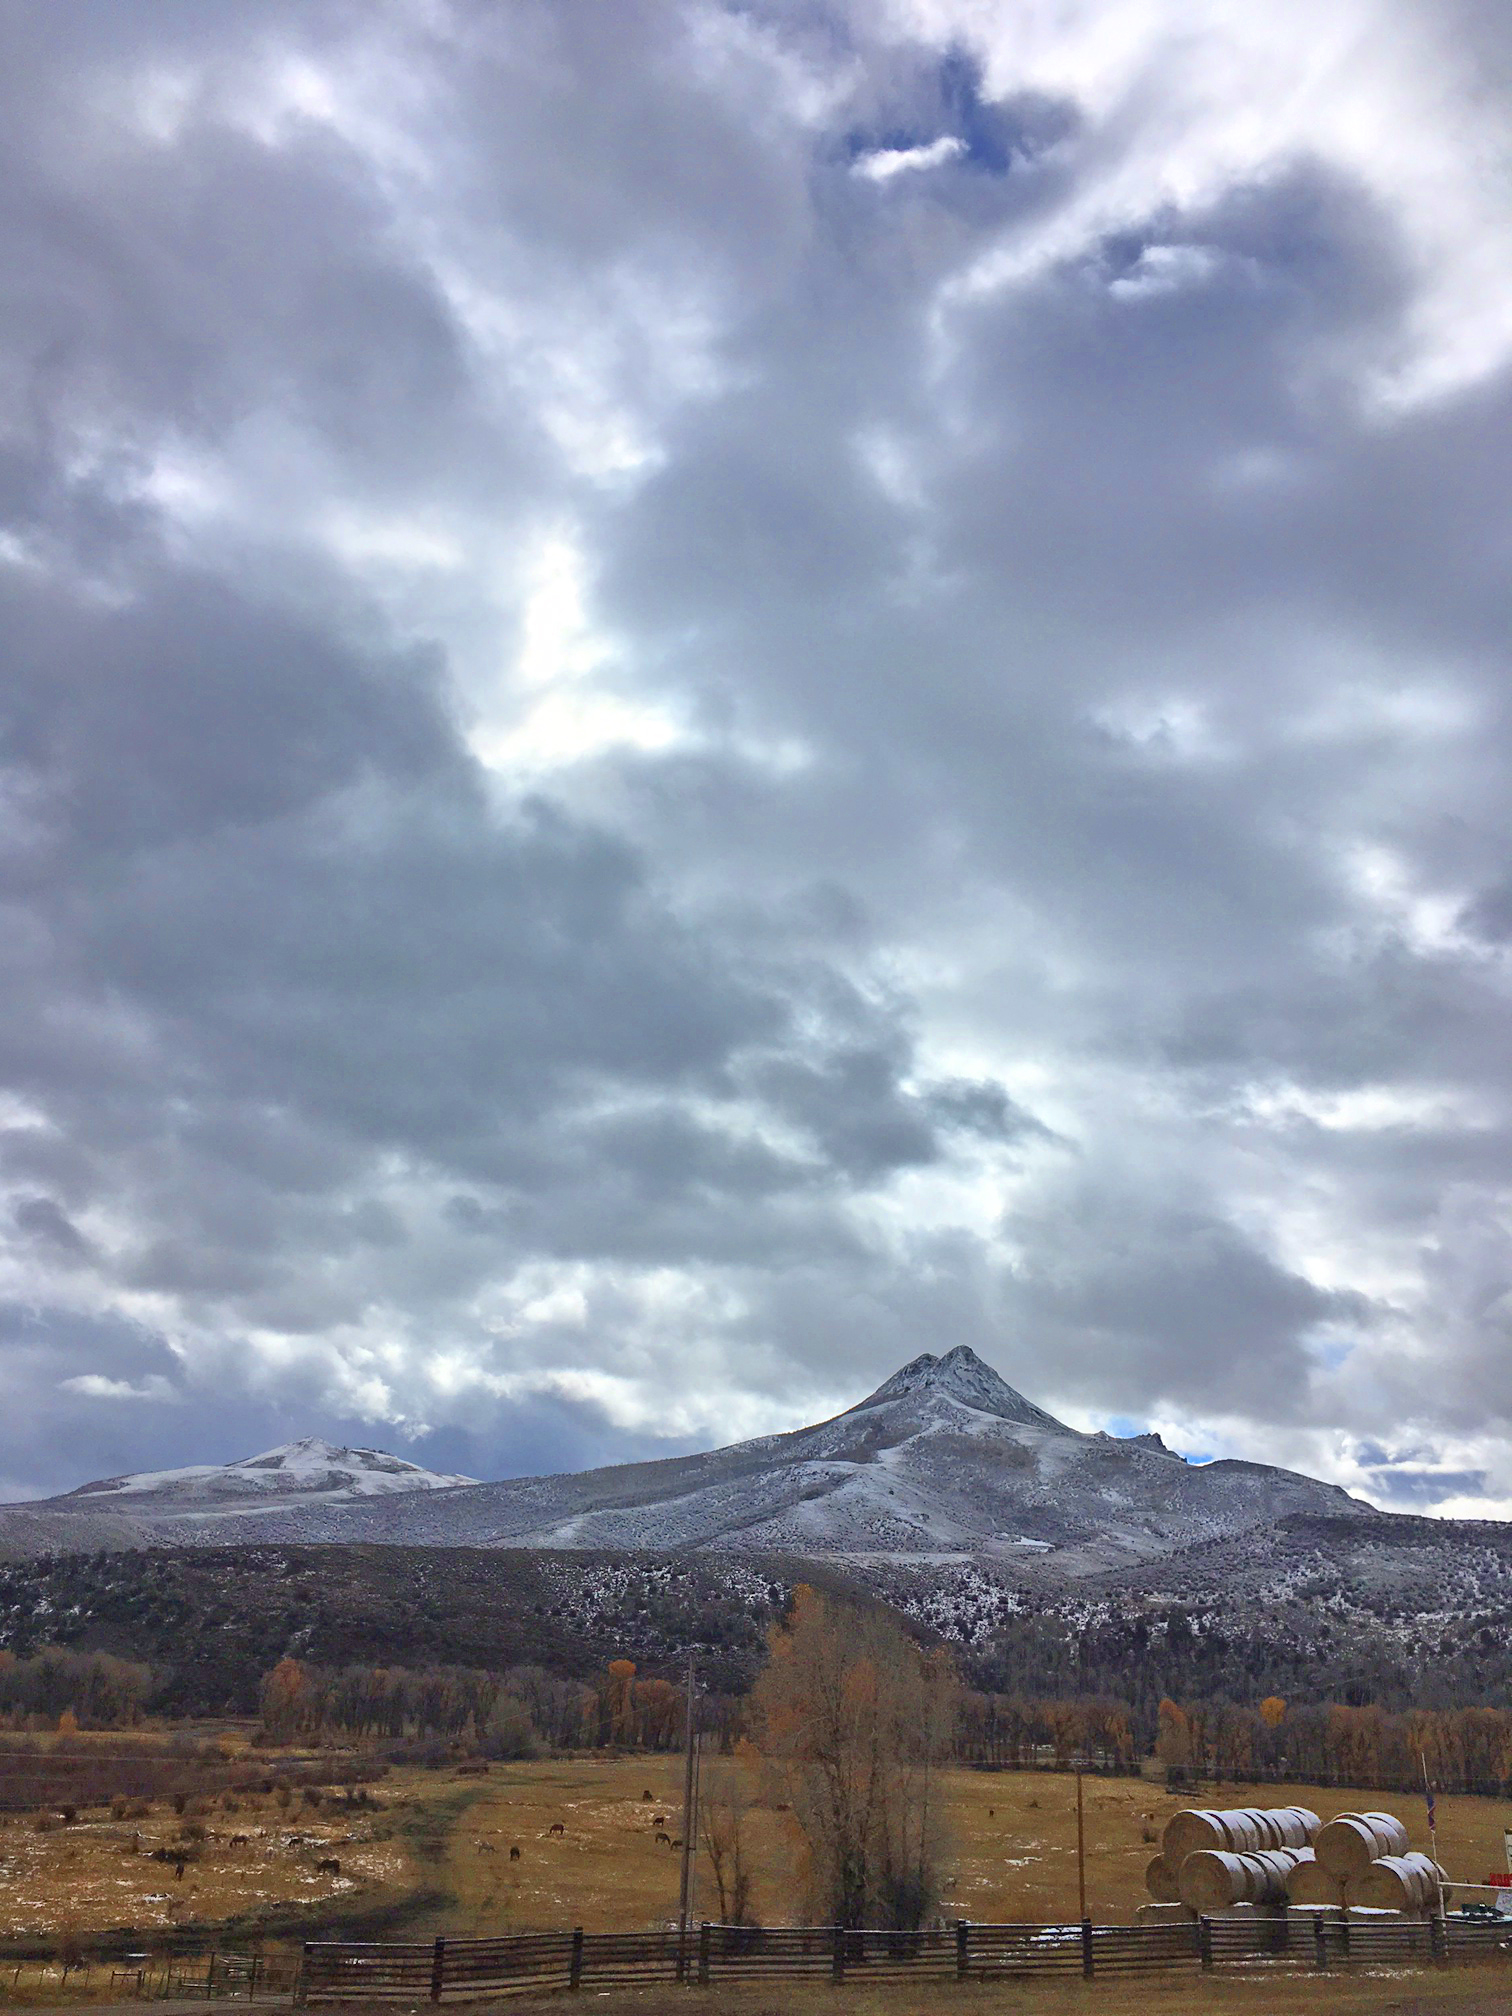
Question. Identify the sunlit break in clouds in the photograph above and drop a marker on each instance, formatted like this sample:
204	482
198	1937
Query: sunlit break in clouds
693	698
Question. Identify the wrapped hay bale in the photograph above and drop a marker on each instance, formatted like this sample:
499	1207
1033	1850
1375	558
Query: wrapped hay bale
1160	1881
1348	1845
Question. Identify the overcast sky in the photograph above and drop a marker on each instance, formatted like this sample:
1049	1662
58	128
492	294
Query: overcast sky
696	697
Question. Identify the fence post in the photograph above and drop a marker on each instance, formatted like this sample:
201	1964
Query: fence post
438	1969
1344	1936
963	1956
301	1986
1205	1943
837	1955
1086	1945
575	1959
1438	1938
1320	1944
705	1942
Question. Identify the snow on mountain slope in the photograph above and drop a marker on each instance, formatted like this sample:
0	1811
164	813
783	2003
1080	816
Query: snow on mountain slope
308	1472
944	1461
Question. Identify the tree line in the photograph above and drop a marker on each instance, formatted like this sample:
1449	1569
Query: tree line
526	1709
508	1714
81	1689
1457	1749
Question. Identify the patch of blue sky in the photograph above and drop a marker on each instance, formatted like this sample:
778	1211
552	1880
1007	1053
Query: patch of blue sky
988	135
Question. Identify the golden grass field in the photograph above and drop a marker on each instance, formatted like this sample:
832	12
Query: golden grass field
1013	1855
1014	1834
101	1873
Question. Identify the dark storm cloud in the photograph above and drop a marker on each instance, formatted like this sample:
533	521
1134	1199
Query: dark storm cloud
1057	903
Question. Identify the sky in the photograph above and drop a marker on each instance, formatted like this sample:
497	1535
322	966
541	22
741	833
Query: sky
694	697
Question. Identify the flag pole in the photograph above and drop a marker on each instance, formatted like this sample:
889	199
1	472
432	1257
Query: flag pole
1438	1874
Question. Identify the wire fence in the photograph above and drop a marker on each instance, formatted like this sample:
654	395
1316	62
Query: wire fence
710	1955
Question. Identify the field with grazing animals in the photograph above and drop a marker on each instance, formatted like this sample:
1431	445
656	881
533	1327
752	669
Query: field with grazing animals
1014	1856
421	1833
143	1865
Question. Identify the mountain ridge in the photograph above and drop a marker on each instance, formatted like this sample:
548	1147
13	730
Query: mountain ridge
944	1460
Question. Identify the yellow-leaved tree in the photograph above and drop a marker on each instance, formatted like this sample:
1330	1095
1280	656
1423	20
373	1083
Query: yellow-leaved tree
854	1722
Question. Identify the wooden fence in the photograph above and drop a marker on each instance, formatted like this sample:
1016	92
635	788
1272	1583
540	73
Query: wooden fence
714	1954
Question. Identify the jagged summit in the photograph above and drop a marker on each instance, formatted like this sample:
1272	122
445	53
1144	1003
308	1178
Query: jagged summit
968	1380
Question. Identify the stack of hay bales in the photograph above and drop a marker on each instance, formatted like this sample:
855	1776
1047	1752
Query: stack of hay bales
1211	1859
1409	1883
1362	1860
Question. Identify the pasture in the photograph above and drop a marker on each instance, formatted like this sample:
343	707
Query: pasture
1013	1834
427	1835
146	1867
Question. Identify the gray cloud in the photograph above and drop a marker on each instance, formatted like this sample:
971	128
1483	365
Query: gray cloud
654	753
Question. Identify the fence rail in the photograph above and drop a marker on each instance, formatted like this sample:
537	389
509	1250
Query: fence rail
711	1954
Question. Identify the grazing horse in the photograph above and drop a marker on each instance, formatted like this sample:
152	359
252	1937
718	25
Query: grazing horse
556	1827
329	1867
677	1841
514	1853
485	1848
661	1837
658	1819
648	1795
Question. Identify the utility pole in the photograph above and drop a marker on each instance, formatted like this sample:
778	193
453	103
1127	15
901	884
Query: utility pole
1081	1852
689	1823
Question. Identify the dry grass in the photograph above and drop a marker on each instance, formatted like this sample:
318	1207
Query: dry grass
1014	1857
1472	1991
103	1873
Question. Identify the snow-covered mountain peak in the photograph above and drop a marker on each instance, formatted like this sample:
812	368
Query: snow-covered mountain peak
311	1455
309	1470
961	1376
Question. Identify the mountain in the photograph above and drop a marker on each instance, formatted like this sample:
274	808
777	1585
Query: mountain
307	1472
943	1462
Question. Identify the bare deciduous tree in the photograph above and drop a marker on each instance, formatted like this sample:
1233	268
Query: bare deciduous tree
724	1831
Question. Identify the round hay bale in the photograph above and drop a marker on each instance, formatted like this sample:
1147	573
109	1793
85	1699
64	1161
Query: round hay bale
1273	1867
1297	1826
1193	1828
1389	1831
1241	1824
1160	1881
1396	1883
1310	1883
1212	1879
1348	1845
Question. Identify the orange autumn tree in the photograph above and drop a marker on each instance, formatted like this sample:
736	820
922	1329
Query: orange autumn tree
855	1722
619	1699
285	1699
1173	1739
